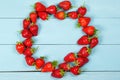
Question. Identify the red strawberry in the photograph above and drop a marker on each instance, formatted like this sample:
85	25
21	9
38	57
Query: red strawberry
26	23
73	15
29	51
93	42
26	33
89	30
28	42
34	29
60	15
33	17
70	57
49	66
75	70
81	61
84	52
84	40
51	9
65	5
20	47
84	21
65	66
58	73
82	10
30	60
39	7
39	63
43	15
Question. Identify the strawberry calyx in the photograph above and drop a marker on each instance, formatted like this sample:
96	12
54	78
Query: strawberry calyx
89	50
62	72
19	42
55	63
33	50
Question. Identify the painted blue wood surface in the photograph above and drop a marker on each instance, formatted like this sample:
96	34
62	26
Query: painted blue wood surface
54	40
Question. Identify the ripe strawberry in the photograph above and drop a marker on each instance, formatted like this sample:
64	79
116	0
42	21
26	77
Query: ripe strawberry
39	63
60	15
84	52
28	42
81	61
70	57
30	60
73	15
26	33
51	9
89	30
33	17
84	21
29	51
39	7
58	73
84	40
34	29
82	11
75	70
26	23
43	15
49	66
93	42
65	5
65	66
20	47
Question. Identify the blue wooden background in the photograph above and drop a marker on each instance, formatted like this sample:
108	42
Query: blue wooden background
56	40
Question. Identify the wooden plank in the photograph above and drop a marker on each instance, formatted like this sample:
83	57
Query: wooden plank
21	9
103	57
68	76
60	32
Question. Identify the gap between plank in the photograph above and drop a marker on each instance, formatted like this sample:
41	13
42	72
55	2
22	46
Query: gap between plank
40	71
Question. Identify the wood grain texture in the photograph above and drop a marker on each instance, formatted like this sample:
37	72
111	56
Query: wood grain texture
103	57
46	76
60	32
59	38
98	8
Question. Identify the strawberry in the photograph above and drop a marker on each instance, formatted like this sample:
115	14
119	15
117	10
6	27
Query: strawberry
73	15
84	40
89	30
84	52
58	73
26	23
65	5
75	70
49	66
30	60
26	33
70	57
34	29
29	51
61	15
93	42
65	66
20	47
43	15
33	17
81	61
39	62
51	9
84	21
28	42
39	7
82	11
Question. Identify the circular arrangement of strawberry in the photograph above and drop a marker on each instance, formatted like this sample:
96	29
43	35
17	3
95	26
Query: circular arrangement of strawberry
72	61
